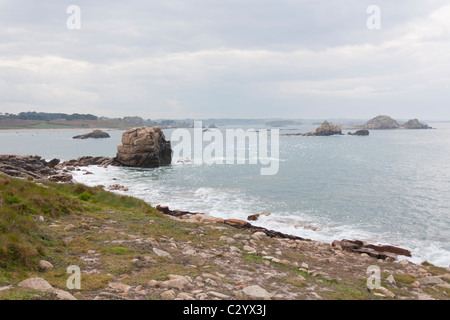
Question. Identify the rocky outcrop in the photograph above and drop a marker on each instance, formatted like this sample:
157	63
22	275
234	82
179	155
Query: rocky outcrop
235	223
326	129
144	148
385	123
86	161
384	252
362	132
31	166
96	134
381	123
415	124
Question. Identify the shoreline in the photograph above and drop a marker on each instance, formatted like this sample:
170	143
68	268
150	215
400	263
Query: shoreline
58	129
373	248
367	241
128	250
71	170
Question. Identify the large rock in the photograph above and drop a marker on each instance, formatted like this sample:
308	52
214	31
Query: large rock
35	284
96	134
381	122
257	292
144	148
326	129
415	124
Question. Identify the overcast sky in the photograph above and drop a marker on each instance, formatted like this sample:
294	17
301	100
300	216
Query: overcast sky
229	58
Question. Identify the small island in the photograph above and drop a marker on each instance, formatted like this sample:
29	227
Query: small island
383	122
96	134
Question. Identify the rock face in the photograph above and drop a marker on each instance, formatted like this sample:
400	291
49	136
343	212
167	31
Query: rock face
326	129
381	122
34	166
96	134
415	124
144	148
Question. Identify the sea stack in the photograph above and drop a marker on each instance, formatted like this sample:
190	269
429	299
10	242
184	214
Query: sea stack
144	148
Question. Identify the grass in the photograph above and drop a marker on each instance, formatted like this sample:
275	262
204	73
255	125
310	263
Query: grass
434	270
404	279
23	240
22	294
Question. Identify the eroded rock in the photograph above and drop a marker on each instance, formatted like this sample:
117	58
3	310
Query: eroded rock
144	148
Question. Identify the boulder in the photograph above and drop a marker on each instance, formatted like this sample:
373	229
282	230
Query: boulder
35	284
176	281
45	265
96	134
257	292
42	285
240	224
52	163
144	148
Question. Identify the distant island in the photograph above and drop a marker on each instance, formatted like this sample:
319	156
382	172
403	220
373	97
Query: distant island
384	122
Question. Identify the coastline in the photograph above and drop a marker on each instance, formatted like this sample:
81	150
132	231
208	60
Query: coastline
58	129
311	232
128	250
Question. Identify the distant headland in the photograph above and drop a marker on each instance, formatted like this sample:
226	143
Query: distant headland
42	120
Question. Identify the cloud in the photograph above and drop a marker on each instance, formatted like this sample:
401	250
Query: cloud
249	58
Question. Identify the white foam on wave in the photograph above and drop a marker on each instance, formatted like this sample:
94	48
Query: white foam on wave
230	203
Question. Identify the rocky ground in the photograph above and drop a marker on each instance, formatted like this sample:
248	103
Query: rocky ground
129	251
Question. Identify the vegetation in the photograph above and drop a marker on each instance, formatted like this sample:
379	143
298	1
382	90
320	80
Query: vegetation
23	204
112	238
43	120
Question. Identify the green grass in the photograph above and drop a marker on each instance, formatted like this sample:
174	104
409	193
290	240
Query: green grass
23	240
119	250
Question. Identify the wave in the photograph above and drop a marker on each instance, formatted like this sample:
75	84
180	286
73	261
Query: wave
234	203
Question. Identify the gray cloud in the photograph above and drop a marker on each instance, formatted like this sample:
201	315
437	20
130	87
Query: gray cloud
246	58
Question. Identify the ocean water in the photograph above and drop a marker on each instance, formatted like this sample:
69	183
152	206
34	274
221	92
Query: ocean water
392	187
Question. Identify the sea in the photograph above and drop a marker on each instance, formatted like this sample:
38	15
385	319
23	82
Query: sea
391	187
